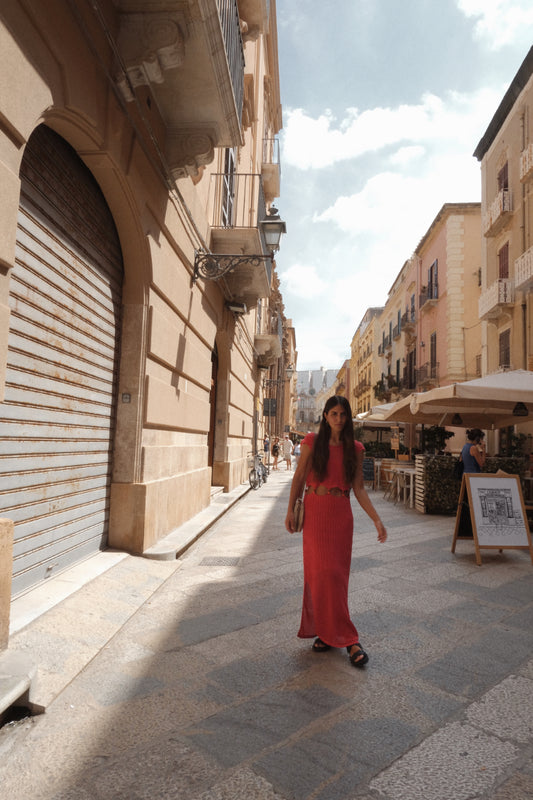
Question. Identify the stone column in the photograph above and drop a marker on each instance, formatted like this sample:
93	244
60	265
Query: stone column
6	569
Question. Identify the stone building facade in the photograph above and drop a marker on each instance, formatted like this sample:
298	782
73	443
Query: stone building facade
136	141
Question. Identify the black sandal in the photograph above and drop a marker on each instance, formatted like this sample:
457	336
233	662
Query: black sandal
360	657
319	646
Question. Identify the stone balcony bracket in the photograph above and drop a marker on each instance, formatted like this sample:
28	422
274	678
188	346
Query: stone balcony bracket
186	152
150	44
268	349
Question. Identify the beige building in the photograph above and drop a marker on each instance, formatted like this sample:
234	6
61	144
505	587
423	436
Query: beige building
429	331
506	155
505	305
448	330
137	140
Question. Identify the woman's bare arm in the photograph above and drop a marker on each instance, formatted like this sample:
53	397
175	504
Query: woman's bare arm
364	500
297	485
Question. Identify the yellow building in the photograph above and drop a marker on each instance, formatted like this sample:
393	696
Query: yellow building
363	362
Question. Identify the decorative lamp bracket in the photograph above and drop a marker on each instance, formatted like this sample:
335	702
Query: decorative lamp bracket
212	266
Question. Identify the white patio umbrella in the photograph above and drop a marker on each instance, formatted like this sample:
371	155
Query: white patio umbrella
497	400
375	417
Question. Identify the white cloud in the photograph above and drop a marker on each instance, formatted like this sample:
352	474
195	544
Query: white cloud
455	120
302	280
406	155
500	22
393	206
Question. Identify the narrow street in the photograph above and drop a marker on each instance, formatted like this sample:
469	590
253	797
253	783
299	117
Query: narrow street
204	692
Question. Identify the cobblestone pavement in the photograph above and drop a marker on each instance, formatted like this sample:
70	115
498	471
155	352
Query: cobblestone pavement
185	679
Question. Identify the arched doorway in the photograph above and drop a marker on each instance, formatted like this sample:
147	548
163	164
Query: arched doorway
57	417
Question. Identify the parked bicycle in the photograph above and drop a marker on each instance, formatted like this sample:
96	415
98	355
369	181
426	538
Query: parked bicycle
258	473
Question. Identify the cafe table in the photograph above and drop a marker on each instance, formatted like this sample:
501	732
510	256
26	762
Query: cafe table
405	483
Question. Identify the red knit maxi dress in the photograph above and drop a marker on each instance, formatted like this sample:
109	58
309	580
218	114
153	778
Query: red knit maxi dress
327	555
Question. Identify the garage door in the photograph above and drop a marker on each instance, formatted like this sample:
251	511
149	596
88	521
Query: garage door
57	418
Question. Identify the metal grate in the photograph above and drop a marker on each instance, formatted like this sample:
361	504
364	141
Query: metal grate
220	561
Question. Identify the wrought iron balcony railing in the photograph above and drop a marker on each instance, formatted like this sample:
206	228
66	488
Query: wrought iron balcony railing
231	31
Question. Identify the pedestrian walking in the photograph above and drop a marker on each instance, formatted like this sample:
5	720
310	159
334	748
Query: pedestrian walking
296	452
275	452
266	449
287	451
331	463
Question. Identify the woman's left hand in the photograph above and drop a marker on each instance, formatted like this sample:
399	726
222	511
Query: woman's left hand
382	533
289	521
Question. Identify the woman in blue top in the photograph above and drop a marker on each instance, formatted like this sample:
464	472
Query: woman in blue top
473	453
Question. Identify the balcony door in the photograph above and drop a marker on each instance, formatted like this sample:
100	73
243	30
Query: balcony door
228	189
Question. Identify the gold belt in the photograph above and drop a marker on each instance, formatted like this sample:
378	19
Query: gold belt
322	490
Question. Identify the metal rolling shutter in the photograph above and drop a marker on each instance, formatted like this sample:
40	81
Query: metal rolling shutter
57	418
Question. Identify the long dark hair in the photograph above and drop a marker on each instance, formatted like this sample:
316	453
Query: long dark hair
320	457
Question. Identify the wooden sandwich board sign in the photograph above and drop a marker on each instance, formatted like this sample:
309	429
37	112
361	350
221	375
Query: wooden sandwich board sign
491	512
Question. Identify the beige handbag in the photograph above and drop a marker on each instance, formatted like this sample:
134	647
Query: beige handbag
299	513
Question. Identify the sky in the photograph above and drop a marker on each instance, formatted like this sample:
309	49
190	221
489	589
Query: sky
384	103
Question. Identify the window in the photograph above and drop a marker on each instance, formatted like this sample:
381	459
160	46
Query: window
433	283
503	261
505	349
412	308
503	178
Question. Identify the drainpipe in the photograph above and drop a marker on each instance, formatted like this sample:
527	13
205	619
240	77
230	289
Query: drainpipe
523	250
524	331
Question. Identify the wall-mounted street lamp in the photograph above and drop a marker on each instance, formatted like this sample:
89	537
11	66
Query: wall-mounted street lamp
235	307
289	372
212	266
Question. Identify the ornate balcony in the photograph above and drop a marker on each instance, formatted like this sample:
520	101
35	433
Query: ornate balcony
427	375
236	207
271	169
268	348
523	270
498	213
428	297
184	64
526	163
408	322
496	298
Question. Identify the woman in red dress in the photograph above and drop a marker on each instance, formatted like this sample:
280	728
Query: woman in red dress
330	464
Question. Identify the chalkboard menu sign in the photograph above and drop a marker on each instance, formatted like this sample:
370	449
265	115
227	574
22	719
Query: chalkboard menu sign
491	512
368	470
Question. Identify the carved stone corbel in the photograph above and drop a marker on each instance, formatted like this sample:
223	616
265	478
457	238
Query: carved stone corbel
188	151
149	45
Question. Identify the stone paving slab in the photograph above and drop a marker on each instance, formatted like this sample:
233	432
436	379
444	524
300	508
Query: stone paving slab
204	692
